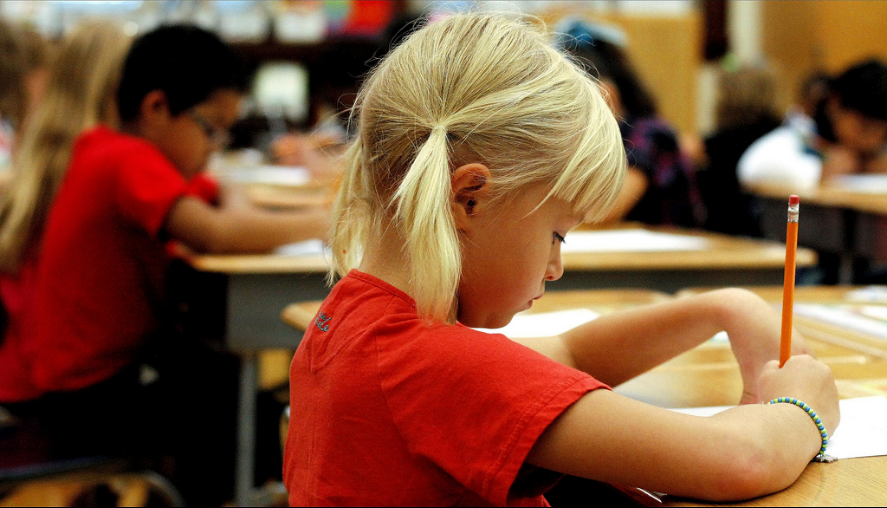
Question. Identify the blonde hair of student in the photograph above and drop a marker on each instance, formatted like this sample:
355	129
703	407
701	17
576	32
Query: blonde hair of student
79	95
470	88
745	96
22	52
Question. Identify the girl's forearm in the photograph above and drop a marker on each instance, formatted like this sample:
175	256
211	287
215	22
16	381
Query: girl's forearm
617	347
744	452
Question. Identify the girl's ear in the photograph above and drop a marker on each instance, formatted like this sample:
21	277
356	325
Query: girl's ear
471	192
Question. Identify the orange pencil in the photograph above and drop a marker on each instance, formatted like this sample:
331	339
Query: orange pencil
788	294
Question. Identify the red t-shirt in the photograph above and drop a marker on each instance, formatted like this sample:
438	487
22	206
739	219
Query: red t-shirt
388	411
17	297
100	290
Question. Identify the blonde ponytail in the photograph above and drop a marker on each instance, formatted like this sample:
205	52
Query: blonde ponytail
423	210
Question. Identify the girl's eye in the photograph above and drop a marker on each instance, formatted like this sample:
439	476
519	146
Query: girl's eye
559	238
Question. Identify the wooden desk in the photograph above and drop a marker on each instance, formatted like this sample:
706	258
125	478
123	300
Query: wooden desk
847	223
694	380
821	331
727	261
709	376
250	291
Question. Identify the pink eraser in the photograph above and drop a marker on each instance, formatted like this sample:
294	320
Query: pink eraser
794	200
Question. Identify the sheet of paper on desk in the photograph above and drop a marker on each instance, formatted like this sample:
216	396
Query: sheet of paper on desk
868	294
862	432
543	324
867	319
631	240
306	248
873	184
272	175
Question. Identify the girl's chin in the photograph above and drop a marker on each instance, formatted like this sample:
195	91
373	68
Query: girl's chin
490	322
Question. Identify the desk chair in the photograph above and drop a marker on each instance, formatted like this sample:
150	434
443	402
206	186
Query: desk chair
36	470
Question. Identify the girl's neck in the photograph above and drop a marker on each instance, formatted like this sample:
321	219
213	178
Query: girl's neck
385	259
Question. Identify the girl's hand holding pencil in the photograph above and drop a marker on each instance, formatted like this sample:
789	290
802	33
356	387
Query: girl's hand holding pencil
806	379
754	328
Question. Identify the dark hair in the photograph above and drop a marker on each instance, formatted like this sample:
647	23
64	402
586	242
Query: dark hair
185	62
861	88
589	44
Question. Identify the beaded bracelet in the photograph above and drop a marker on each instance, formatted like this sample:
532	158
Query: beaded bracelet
816	419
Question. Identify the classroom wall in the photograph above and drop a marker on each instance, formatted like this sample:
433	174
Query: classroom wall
800	37
666	51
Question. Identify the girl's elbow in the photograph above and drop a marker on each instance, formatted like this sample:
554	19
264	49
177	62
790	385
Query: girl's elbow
750	471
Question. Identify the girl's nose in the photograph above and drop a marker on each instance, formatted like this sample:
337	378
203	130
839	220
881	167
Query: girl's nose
555	266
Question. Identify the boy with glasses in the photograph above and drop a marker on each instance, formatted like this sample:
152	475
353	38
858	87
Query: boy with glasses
100	296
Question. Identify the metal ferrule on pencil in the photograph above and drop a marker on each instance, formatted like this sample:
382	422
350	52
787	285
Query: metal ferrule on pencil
793	212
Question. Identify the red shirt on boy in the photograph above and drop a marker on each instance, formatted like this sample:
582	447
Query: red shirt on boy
100	291
388	411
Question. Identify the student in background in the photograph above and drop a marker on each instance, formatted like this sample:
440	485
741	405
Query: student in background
106	364
813	91
24	60
478	148
745	111
660	186
79	96
848	135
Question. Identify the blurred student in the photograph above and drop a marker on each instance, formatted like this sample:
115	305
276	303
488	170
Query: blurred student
478	148
79	96
24	60
660	186
101	312
745	111
320	151
848	135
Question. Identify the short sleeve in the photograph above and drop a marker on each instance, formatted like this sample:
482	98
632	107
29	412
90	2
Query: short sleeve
146	185
204	187
474	404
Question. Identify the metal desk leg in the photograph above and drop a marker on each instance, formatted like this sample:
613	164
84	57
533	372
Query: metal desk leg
246	431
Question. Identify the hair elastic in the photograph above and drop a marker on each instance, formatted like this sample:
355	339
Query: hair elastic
821	456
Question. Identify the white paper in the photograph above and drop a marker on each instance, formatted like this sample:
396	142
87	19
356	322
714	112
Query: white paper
844	318
870	184
290	176
631	240
868	294
861	433
306	248
543	324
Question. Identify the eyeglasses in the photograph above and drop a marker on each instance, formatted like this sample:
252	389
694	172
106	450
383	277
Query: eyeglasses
218	137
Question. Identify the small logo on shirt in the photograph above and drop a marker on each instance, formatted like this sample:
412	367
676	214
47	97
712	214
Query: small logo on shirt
322	322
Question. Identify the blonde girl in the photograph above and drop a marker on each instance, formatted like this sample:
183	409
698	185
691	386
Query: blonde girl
479	147
79	95
24	59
